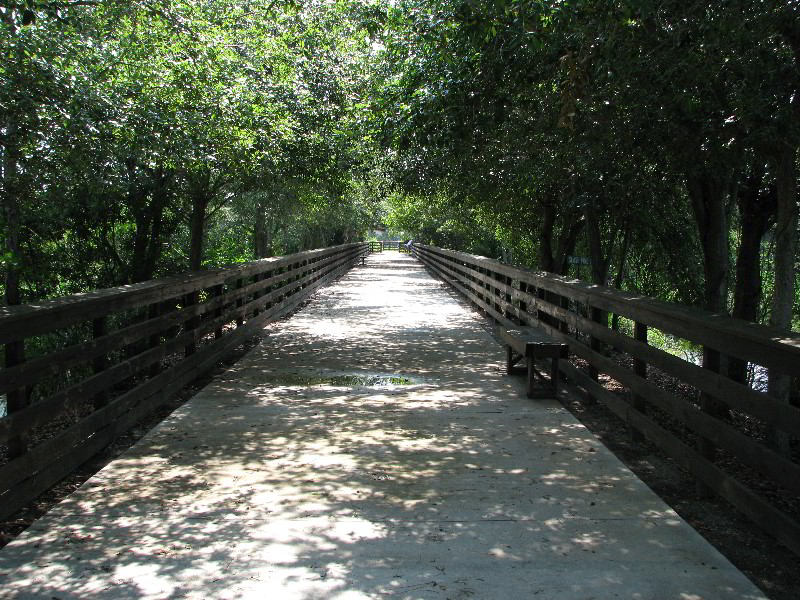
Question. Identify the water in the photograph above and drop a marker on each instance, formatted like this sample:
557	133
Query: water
348	380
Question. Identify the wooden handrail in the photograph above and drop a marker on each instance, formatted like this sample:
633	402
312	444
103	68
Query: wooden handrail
776	348
43	316
112	370
566	309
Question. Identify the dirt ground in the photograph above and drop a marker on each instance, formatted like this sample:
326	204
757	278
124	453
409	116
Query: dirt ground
769	565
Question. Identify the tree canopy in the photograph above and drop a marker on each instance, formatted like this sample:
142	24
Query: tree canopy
656	139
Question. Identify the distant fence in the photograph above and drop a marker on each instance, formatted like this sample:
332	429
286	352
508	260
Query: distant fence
105	359
724	451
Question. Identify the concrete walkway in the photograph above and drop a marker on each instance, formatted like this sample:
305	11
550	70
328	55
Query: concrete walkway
313	469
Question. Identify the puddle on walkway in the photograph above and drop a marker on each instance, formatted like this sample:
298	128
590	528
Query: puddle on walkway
342	380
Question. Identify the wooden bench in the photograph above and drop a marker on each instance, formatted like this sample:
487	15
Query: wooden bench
531	343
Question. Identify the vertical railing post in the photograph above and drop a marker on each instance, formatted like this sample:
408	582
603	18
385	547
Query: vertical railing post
280	285
154	311
486	294
523	306
100	363
563	302
509	298
239	302
595	344
216	292
712	360
16	400
640	368
540	314
496	294
256	294
481	283
268	289
190	324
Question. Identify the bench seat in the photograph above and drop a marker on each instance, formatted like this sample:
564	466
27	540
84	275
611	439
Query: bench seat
531	343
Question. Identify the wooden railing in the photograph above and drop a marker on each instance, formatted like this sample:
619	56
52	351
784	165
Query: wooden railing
720	447
380	246
101	361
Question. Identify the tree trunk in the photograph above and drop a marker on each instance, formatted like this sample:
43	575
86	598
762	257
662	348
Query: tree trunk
566	245
262	235
154	248
757	211
545	258
786	227
12	217
783	294
141	235
599	257
14	351
620	274
599	266
200	199
137	204
197	223
147	201
553	260
708	194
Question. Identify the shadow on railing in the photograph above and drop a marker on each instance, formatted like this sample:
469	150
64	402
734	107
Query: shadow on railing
718	433
103	360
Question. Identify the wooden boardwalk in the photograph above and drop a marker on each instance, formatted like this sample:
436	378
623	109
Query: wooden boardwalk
370	447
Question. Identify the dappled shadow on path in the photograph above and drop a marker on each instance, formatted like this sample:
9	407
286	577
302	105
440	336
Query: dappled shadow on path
453	487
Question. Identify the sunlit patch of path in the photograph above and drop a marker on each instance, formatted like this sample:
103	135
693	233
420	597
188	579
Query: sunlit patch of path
369	447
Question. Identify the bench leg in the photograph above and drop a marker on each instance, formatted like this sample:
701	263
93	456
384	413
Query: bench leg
537	391
512	360
532	391
554	378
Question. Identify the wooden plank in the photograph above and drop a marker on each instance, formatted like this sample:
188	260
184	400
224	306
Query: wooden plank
712	362
154	340
218	291
57	457
239	302
530	341
595	344
640	369
100	363
16	400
